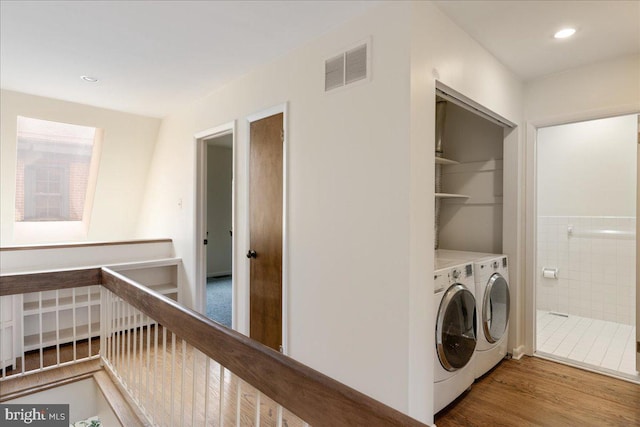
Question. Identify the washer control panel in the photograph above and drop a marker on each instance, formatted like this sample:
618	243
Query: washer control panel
444	278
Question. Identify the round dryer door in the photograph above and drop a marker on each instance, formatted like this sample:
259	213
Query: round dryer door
456	328
495	308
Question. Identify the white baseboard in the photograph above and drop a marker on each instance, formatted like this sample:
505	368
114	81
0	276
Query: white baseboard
218	274
518	352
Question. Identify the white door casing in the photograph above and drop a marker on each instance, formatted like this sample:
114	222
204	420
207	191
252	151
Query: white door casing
638	251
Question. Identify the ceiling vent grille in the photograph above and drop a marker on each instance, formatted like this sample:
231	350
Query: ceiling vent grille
346	68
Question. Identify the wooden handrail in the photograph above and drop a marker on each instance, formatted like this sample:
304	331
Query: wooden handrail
311	395
82	244
50	281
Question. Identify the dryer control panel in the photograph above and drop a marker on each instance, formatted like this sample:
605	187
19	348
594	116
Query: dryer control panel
486	268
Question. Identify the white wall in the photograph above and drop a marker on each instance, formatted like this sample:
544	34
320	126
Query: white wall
348	153
590	92
124	162
219	178
360	192
588	168
84	397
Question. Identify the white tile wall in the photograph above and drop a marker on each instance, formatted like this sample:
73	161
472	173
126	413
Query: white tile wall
596	274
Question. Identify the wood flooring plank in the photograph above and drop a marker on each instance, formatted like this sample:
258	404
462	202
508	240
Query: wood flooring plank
538	392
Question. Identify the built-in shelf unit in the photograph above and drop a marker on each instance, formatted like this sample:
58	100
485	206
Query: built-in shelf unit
161	275
48	318
469	189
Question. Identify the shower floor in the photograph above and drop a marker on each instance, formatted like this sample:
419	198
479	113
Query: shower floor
605	346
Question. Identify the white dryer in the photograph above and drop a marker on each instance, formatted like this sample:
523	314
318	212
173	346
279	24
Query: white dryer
455	332
492	298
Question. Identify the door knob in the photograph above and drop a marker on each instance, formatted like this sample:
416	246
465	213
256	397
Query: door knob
251	254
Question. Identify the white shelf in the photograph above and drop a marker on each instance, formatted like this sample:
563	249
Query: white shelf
163	262
443	161
32	342
451	196
165	288
64	303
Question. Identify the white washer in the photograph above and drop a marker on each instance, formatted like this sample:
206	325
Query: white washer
455	332
492	299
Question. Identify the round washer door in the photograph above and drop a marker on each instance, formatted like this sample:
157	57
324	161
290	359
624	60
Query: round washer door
456	328
495	308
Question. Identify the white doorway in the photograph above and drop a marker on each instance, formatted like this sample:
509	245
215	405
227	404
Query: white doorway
584	263
219	229
215	201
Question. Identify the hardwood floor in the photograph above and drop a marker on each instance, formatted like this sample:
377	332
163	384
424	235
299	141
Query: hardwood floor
537	392
51	355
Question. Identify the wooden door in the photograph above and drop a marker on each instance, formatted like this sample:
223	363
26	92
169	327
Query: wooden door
265	227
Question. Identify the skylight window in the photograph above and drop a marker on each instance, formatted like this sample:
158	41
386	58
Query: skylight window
56	170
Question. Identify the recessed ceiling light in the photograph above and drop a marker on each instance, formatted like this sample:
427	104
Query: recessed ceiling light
89	79
564	33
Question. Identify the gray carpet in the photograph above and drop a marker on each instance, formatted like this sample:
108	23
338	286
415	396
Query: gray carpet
219	300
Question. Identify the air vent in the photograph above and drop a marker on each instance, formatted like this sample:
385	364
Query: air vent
346	68
334	73
469	270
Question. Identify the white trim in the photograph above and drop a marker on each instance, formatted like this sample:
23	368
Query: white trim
586	367
218	274
452	95
216	131
531	222
201	139
276	109
638	248
596	114
518	352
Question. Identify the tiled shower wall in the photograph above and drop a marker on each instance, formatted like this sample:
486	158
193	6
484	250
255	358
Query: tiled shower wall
596	273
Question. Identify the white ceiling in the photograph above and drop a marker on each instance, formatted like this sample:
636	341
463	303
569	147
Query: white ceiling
151	57
520	33
154	57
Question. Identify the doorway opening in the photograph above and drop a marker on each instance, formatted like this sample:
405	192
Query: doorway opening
219	229
214	239
585	239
